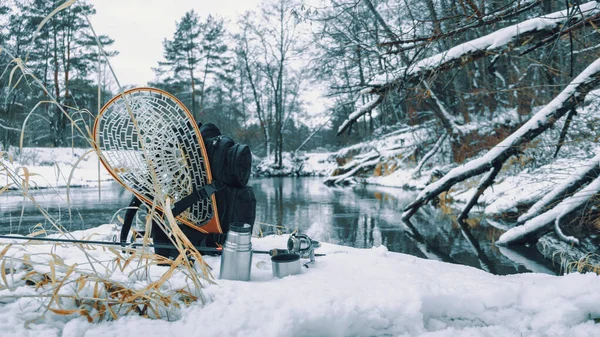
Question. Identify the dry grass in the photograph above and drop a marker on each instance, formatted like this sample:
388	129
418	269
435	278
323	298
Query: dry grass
588	263
120	285
105	283
277	229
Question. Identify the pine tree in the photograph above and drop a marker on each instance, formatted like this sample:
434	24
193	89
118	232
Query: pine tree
182	57
63	50
213	53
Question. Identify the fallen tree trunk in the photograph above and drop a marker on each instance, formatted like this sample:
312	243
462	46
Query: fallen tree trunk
569	98
551	219
590	171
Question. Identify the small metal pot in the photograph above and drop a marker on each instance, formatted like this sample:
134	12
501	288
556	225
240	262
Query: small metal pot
286	264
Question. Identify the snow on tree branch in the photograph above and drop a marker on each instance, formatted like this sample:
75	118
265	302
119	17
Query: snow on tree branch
505	38
570	97
358	113
512	37
417	171
445	117
587	173
516	8
544	222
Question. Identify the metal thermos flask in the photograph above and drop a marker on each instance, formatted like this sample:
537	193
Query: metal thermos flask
236	258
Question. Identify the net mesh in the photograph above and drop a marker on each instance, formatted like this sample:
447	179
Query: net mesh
156	154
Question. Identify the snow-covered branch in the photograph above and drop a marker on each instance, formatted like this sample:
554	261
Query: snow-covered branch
589	172
516	8
545	222
486	182
444	116
367	164
570	97
358	113
417	172
517	36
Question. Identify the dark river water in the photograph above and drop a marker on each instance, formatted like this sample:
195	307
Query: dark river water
360	216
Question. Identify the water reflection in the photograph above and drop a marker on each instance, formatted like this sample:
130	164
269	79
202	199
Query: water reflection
362	216
89	207
370	215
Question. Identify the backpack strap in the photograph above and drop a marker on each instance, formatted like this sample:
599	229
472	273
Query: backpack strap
203	193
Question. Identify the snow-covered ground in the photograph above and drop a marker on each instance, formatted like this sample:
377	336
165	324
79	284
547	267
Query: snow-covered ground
52	167
348	292
304	164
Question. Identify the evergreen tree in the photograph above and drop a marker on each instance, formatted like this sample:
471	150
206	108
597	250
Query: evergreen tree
63	51
182	57
213	52
195	61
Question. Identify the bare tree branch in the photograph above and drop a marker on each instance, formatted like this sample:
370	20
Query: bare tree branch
486	182
506	39
516	8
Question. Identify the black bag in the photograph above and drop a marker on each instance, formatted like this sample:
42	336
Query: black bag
230	164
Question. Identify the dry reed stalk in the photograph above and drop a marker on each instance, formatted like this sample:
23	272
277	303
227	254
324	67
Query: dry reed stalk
94	288
101	294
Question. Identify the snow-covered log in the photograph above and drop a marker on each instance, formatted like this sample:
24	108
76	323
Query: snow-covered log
545	222
570	97
518	36
589	172
367	164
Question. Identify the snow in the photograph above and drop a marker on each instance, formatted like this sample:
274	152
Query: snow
51	167
359	112
348	292
303	164
400	178
560	189
541	120
564	207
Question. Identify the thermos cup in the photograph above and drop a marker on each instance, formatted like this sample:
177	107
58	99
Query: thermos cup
236	258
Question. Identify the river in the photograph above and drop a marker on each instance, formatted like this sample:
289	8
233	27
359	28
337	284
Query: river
359	216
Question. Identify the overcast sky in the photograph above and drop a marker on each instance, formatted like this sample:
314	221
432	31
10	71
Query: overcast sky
139	27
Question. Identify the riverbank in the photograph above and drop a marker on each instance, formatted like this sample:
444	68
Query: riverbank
76	167
50	168
42	167
348	292
300	164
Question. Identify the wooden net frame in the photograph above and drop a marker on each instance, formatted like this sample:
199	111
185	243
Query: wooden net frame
149	142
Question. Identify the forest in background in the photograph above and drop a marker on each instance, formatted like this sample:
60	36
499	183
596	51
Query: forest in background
521	68
250	83
251	80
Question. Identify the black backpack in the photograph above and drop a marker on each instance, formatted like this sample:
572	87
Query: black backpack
230	165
